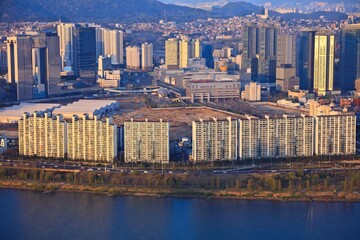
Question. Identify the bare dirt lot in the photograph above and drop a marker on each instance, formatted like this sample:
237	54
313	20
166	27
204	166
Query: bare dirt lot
180	118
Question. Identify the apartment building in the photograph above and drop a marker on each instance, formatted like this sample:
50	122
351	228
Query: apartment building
275	137
42	134
146	141
335	135
214	140
91	139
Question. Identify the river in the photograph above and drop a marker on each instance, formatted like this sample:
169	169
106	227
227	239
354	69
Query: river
30	215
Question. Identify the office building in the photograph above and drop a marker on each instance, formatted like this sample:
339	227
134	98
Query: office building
133	58
91	139
85	68
183	53
172	53
212	90
147	56
146	141
42	135
214	140
46	63
252	92
335	135
259	51
305	61
324	63
206	53
286	50
3	58
275	137
67	44
19	50
285	78
349	56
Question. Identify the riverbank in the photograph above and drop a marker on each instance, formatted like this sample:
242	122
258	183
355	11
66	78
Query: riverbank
327	196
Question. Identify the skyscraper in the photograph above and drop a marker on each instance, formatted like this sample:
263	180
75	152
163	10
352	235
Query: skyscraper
286	50
324	63
86	52
3	57
206	53
146	56
305	62
65	32
19	50
171	53
349	56
183	53
133	57
260	41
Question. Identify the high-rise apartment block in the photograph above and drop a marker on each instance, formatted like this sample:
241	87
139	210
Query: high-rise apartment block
147	56
275	137
195	48
133	57
172	53
91	139
43	135
214	140
324	54
252	92
146	141
110	42
183	53
349	56
335	135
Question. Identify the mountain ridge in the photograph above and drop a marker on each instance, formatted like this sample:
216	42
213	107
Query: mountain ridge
128	11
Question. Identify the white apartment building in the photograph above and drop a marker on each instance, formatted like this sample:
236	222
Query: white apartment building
91	139
146	141
42	134
214	140
276	137
335	135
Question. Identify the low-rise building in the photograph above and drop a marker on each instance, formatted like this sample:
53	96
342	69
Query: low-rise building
211	90
3	143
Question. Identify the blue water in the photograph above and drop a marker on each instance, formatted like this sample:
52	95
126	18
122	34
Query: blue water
30	215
